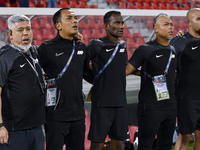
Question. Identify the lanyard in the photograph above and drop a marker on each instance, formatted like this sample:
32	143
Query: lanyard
109	61
167	67
68	62
22	52
169	61
16	48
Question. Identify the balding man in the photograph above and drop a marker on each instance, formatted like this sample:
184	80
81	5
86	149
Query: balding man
157	104
188	80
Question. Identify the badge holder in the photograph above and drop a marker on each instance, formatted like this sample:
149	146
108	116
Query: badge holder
159	82
160	87
51	95
51	92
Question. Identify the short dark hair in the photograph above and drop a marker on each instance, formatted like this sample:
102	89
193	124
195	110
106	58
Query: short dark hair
109	14
56	16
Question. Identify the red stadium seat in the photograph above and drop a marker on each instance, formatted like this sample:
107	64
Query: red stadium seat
121	5
132	130
130	6
97	33
138	38
168	6
92	23
15	4
93	6
83	4
31	4
47	34
64	4
145	6
73	4
160	6
166	1
41	3
45	24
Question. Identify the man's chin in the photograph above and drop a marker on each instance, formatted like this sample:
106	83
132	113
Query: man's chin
25	47
170	37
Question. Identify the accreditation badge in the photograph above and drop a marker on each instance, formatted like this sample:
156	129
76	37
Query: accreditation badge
160	87
51	92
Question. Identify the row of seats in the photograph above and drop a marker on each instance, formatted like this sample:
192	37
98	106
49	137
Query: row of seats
156	4
60	4
125	4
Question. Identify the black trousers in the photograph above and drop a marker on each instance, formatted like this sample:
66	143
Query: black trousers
152	122
72	134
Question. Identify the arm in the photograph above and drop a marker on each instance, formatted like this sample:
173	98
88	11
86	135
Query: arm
137	72
87	70
175	75
130	69
3	130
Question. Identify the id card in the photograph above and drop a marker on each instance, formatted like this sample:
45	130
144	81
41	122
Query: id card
160	87
51	93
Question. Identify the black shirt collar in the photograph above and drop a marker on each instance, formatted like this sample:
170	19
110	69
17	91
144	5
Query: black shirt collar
59	38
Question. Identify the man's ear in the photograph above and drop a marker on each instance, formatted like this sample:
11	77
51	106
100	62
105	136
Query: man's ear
155	29
106	26
189	23
10	34
58	26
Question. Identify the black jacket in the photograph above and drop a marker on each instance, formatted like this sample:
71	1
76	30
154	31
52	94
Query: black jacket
53	56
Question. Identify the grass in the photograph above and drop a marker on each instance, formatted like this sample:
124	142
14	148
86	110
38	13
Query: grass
190	147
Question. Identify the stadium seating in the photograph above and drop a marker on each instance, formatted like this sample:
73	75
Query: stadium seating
124	4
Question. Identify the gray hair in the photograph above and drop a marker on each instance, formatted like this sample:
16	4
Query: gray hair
158	16
15	19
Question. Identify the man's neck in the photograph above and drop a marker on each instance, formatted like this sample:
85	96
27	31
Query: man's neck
193	33
68	37
161	41
112	39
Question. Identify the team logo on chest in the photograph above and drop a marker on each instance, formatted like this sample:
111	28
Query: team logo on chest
108	50
58	54
121	50
21	66
158	56
80	52
195	47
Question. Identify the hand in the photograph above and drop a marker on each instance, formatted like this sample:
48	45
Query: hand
90	65
79	37
180	33
3	135
46	77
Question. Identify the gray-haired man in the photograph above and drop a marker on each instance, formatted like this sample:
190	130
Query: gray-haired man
22	102
157	103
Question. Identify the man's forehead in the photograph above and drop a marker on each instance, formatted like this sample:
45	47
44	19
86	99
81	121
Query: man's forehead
22	24
196	13
67	12
116	17
164	19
